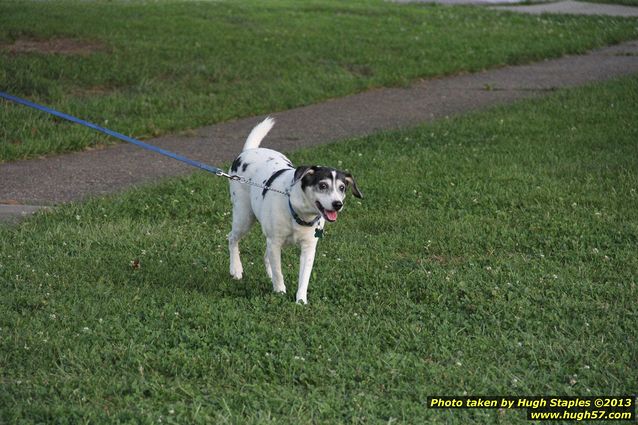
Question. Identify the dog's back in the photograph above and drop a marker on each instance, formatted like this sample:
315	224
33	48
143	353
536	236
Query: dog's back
257	164
262	166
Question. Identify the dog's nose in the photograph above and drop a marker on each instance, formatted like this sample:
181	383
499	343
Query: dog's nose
337	205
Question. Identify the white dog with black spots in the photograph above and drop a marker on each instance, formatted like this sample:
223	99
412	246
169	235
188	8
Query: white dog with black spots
314	195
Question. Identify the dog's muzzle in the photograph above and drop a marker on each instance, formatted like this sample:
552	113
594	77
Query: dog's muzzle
329	215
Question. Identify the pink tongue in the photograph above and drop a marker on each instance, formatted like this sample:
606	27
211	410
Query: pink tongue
331	215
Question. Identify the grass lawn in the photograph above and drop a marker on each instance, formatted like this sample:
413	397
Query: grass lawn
494	254
168	66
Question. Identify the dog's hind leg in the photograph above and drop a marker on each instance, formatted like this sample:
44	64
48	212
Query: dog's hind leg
267	265
273	254
243	218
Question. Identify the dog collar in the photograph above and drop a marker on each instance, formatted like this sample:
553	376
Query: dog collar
299	220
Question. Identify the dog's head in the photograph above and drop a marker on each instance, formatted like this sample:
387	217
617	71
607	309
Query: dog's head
325	188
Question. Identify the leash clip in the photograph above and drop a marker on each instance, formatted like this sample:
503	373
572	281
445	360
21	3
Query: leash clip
220	173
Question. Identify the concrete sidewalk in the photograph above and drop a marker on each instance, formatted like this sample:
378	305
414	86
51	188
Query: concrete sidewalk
49	181
565	7
570	7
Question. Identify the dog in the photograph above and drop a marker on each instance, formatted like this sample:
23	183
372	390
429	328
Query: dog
303	199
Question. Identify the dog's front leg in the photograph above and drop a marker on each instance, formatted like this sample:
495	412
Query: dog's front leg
306	261
273	252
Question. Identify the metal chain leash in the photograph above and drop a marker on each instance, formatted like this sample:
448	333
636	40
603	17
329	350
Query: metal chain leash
244	180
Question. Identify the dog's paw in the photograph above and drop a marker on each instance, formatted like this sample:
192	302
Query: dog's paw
279	289
302	301
236	272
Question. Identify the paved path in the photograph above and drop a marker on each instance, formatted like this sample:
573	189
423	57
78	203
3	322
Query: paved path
566	7
75	176
455	2
570	7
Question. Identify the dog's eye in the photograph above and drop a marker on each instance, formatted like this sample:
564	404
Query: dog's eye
342	188
323	186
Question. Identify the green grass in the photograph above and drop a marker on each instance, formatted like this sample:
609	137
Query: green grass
170	66
493	254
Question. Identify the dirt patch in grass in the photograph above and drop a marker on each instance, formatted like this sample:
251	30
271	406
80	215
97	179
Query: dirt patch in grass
92	91
359	70
60	46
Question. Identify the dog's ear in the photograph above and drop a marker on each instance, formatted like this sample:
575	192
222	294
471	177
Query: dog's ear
353	184
304	170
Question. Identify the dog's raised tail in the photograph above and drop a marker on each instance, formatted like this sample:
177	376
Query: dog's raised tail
258	133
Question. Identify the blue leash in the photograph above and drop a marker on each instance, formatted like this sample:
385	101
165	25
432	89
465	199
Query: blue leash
197	164
217	171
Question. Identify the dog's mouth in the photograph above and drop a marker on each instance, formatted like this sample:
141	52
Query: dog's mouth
329	215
